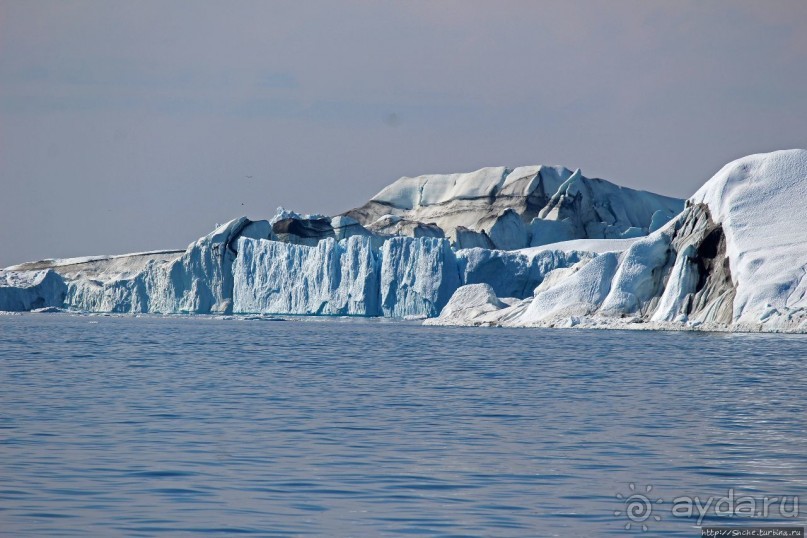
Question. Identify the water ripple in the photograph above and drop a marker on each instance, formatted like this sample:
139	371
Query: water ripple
198	426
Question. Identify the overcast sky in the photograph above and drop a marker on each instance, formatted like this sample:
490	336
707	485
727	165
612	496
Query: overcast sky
129	126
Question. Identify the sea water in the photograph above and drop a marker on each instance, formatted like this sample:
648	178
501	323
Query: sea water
189	426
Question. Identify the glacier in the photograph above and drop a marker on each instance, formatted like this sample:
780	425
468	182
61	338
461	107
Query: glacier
529	246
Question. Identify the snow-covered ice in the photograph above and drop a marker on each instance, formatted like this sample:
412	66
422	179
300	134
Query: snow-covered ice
761	201
512	209
735	258
514	273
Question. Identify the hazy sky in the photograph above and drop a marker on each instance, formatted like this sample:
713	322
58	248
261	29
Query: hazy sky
130	126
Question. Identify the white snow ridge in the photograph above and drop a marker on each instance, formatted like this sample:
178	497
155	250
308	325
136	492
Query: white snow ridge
529	246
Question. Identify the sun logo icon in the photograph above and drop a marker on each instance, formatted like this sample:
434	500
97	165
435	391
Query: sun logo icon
638	507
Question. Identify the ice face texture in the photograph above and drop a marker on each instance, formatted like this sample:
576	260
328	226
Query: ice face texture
331	278
407	277
418	276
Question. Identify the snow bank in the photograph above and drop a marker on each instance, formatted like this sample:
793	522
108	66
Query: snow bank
580	293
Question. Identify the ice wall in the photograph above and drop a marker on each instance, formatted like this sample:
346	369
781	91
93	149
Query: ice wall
405	277
418	276
331	278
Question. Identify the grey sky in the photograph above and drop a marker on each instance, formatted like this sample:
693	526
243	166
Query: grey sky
130	126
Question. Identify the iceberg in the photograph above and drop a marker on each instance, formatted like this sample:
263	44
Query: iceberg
529	246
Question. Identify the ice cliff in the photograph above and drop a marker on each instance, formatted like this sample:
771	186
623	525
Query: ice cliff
531	246
406	277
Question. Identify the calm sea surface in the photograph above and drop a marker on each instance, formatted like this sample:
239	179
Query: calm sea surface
119	426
